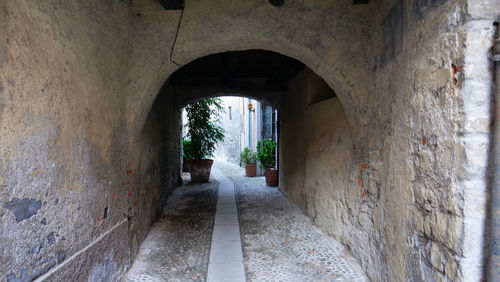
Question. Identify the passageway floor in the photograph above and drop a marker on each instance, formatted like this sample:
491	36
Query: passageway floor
178	246
279	242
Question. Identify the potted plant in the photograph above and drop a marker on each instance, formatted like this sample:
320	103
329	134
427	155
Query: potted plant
265	155
249	157
203	134
187	154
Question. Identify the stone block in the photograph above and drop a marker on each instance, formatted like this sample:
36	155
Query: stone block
447	229
225	251
437	257
451	269
226	272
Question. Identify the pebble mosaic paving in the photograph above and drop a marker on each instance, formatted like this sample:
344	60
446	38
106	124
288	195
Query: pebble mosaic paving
280	243
178	246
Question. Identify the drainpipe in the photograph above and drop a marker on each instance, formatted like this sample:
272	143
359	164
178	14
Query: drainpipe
250	128
494	261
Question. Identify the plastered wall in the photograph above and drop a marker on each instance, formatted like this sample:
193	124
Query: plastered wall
77	191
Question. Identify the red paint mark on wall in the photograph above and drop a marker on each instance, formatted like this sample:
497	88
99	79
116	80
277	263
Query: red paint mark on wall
99	219
129	193
135	203
424	141
360	178
128	171
454	70
360	182
115	196
128	182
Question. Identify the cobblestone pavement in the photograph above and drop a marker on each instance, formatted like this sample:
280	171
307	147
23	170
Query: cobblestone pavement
279	242
178	245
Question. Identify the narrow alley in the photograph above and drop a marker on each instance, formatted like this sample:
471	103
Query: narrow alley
375	124
278	241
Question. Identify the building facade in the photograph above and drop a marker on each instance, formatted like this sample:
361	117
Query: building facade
246	122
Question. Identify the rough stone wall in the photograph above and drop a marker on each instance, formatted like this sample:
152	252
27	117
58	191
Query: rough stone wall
292	140
156	157
477	92
76	190
408	196
446	124
319	171
419	108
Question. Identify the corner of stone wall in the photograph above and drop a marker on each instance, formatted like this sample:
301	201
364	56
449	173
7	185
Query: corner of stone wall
476	140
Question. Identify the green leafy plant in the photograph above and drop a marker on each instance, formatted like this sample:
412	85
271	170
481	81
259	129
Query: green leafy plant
248	156
265	153
188	149
204	131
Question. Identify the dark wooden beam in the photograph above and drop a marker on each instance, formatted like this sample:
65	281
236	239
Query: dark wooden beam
185	95
247	84
277	3
172	4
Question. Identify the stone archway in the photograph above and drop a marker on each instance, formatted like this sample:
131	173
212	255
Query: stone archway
80	132
314	130
151	61
374	82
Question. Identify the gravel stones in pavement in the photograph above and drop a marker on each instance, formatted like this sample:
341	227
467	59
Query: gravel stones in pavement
280	243
178	245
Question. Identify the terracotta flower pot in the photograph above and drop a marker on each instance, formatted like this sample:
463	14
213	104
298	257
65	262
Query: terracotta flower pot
251	170
271	177
185	166
200	170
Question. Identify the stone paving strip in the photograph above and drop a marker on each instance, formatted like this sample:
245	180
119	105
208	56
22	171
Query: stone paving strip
226	258
178	246
280	243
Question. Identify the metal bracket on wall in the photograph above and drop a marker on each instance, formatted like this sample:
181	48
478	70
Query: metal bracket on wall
277	3
496	44
172	4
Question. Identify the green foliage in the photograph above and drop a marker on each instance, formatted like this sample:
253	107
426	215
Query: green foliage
188	149
204	131
248	156
265	153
